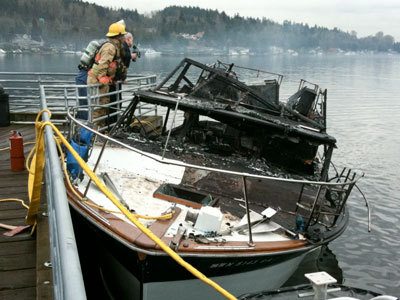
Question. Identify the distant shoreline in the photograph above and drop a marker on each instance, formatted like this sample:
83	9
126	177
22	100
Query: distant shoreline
196	53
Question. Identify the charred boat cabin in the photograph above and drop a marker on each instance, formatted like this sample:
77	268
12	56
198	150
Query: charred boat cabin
251	120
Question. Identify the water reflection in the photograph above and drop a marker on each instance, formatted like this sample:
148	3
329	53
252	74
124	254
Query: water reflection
324	260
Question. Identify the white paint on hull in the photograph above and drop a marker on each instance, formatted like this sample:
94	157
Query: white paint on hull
271	277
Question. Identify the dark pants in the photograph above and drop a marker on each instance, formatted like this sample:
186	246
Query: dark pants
81	78
115	107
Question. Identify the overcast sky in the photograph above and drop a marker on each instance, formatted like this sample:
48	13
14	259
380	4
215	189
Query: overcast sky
366	17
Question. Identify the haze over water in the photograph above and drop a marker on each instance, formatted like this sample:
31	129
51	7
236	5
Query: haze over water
363	115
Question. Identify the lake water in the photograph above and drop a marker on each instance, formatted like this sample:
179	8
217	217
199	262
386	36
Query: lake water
364	116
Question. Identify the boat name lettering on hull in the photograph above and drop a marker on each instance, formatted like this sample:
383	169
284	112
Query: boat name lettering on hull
241	263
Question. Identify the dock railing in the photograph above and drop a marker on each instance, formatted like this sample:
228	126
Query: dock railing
23	89
67	275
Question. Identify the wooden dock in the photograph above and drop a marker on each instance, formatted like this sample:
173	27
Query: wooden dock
24	269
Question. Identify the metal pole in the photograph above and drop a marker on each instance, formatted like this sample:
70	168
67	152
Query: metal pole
324	108
89	102
247	211
67	273
313	207
65	98
172	126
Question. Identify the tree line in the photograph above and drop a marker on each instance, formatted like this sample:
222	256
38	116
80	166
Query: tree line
77	22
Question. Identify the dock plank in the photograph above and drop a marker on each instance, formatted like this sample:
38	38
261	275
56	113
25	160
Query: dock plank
24	236
10	174
16	279
14	221
10	191
13	182
27	293
18	247
12	214
17	262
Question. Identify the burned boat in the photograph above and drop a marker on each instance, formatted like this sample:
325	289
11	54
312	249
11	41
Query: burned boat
236	171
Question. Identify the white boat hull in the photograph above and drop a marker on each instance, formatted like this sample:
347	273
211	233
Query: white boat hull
271	277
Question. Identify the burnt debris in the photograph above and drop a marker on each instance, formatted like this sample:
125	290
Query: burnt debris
207	111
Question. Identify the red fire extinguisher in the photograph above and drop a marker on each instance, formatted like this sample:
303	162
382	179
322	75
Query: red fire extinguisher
17	157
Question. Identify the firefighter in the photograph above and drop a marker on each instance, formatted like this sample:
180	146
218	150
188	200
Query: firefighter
127	56
108	62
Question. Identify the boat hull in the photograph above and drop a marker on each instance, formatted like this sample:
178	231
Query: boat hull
112	267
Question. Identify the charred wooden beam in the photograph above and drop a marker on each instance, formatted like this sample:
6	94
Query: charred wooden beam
175	85
241	86
169	76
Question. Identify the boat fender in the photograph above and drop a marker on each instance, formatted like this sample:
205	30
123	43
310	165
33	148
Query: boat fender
73	167
81	143
84	136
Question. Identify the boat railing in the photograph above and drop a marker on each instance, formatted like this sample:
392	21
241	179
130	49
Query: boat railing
256	73
67	275
23	89
327	202
319	203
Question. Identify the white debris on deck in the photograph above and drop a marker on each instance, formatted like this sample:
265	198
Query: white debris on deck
137	177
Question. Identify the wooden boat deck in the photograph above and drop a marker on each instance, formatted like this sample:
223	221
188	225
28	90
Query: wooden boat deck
23	274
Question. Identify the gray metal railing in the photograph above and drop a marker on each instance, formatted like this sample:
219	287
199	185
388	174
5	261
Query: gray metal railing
61	91
67	275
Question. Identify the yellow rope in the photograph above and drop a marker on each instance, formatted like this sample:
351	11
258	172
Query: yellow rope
126	212
35	175
162	217
15	200
29	158
40	114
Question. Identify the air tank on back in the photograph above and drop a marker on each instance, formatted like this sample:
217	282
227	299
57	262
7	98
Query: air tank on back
87	57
